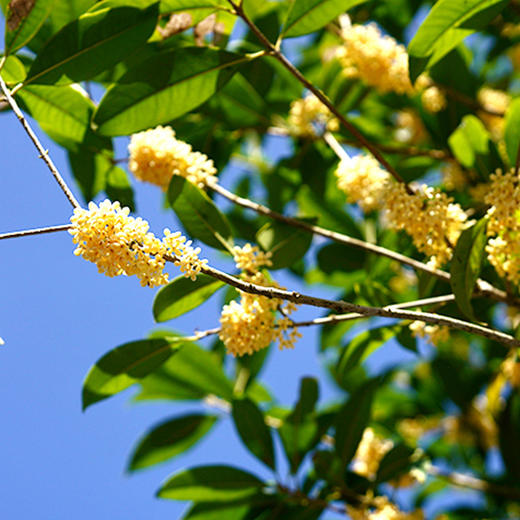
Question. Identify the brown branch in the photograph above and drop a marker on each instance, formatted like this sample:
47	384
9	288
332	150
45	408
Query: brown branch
36	231
275	52
483	288
44	154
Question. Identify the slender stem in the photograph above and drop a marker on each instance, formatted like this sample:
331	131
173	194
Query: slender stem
275	52
35	231
483	288
44	154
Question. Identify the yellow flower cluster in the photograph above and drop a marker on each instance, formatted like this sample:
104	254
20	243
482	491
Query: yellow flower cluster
428	216
433	100
503	250
156	155
383	510
410	128
250	325
307	113
496	101
435	333
363	181
122	245
375	58
369	453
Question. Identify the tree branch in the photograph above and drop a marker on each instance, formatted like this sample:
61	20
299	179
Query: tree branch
44	154
36	231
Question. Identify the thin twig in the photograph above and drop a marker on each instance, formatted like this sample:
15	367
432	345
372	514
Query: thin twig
275	52
483	288
44	154
35	231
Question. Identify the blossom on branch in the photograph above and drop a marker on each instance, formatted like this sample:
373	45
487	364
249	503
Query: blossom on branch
308	114
156	155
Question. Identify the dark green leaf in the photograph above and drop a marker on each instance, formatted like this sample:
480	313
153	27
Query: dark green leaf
286	244
394	463
352	420
192	374
90	171
182	295
236	510
466	264
447	24
164	87
23	21
509	432
124	366
118	187
250	425
512	130
198	8
169	439
210	484
198	214
306	16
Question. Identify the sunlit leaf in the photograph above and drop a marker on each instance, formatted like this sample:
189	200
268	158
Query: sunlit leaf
512	131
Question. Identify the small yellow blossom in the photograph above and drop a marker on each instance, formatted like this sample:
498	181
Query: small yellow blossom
429	216
495	101
305	113
250	325
122	245
375	58
156	155
369	453
433	99
410	128
383	510
435	333
362	180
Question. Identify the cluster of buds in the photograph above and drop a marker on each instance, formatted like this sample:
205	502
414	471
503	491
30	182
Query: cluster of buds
122	245
250	325
308	115
157	155
492	100
409	127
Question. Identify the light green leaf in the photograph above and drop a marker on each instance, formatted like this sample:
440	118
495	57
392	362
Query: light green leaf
163	88
250	425
24	21
306	16
124	366
512	130
211	484
198	214
286	244
92	44
466	264
168	6
447	24
192	374
63	112
182	295
13	71
469	140
169	439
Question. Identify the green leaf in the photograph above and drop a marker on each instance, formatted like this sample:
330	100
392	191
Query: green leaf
395	462
466	264
118	187
62	112
509	431
90	171
352	420
23	21
210	484
286	244
447	24
512	130
92	44
125	365
236	510
360	347
198	214
306	16
164	87
182	295
169	439
192	374
250	425
13	71
166	6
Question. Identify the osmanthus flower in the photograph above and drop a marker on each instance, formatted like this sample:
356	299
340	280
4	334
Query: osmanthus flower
370	451
435	333
306	115
433	99
429	216
363	180
250	325
409	127
156	155
503	195
122	245
496	101
382	509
